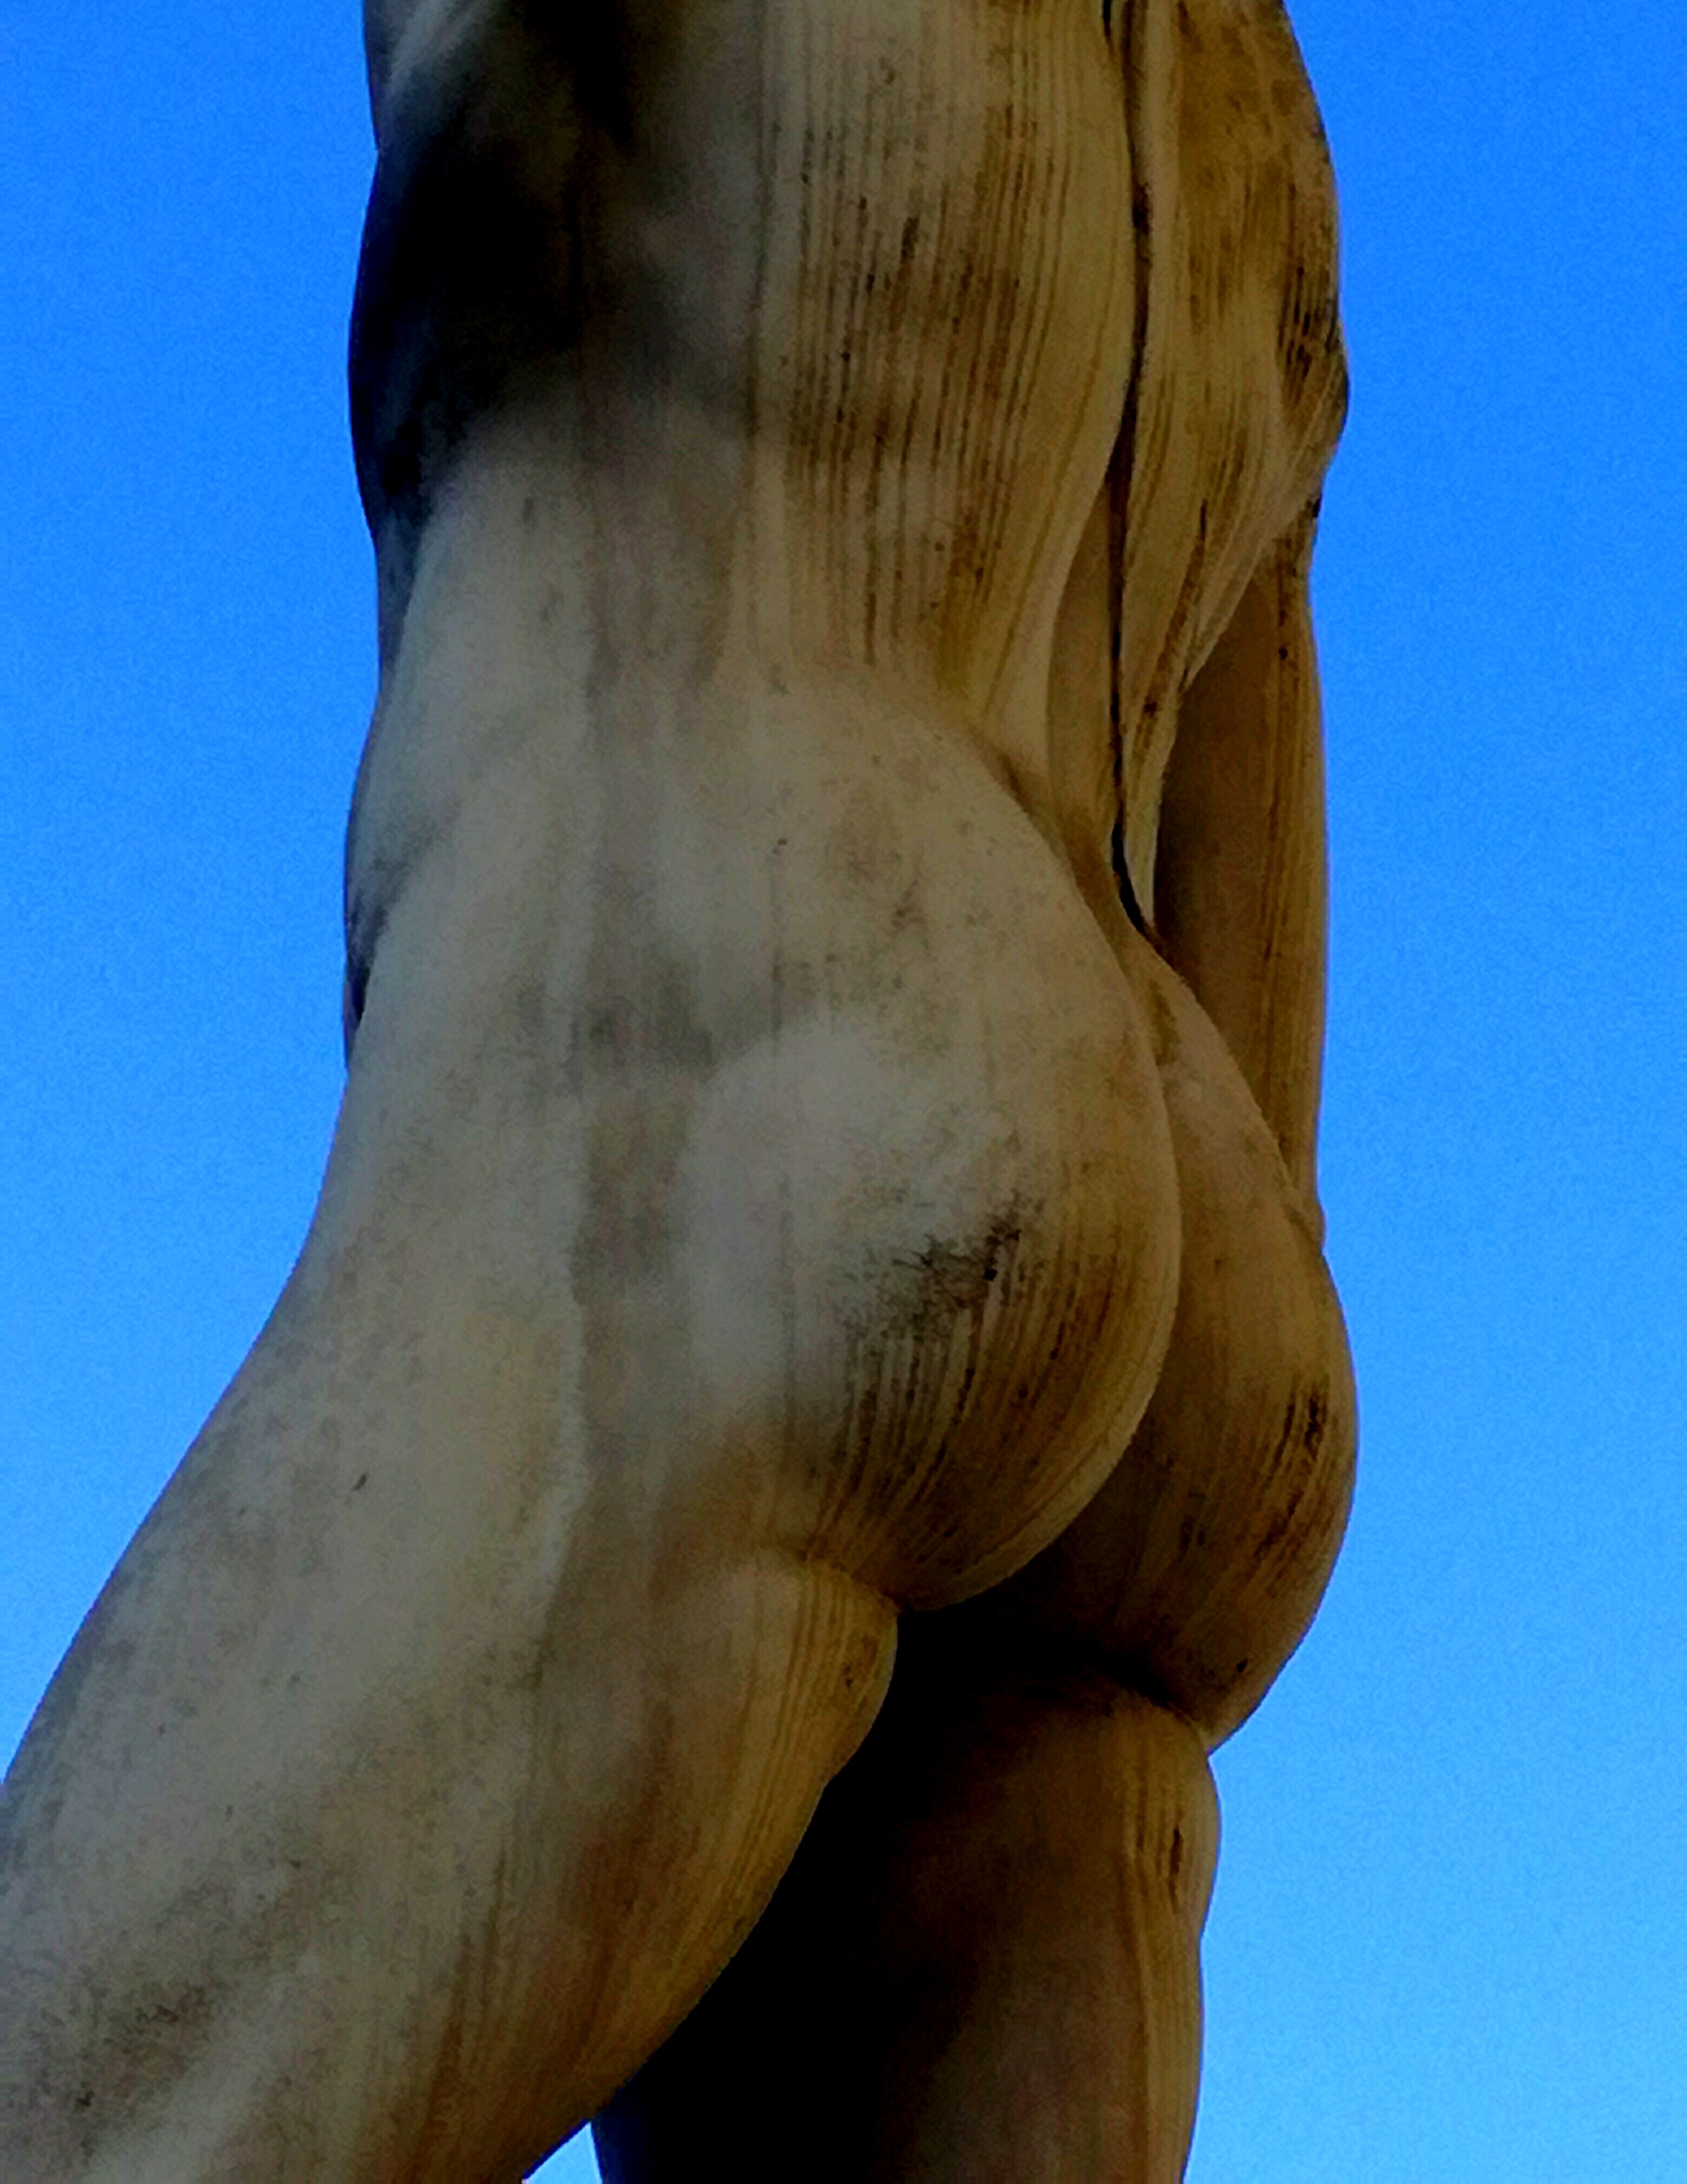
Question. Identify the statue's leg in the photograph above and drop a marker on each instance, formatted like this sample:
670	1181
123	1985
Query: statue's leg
421	1763
983	1964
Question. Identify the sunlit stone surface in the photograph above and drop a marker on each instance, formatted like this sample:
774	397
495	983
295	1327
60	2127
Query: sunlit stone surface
836	926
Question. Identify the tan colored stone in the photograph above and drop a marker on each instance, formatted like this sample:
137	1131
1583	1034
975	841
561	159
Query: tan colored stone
835	926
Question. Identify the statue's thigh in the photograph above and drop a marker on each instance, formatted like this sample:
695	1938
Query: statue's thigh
983	1963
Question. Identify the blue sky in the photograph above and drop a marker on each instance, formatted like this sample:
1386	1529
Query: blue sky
1450	1938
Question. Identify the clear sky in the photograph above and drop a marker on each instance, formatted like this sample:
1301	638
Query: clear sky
1450	1938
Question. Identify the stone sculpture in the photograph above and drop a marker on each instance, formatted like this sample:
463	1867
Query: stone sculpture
836	924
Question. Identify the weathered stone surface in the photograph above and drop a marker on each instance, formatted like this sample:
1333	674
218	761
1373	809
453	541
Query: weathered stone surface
836	926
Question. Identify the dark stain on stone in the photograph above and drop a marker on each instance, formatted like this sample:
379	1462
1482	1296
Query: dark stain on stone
952	1279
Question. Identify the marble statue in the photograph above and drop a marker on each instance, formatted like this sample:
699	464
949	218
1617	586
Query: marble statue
835	914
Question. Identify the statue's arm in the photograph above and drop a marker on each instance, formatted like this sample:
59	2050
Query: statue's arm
1241	876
